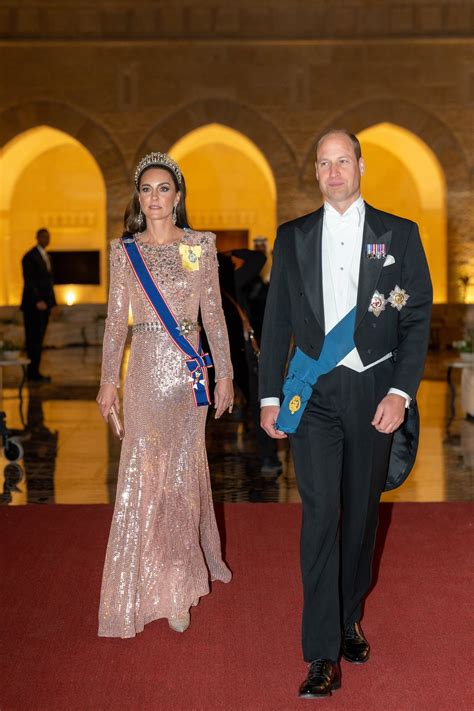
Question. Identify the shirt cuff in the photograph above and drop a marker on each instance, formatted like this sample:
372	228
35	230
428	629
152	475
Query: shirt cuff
396	391
270	401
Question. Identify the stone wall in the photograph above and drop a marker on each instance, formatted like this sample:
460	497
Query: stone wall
240	20
123	77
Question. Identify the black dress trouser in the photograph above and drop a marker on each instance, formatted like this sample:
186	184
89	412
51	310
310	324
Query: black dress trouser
341	464
35	322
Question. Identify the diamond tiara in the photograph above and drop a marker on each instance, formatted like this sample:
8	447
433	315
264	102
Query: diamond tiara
157	159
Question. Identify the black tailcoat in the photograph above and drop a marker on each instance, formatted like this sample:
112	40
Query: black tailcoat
295	307
341	460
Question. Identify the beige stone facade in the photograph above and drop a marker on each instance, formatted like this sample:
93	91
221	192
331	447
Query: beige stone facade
126	76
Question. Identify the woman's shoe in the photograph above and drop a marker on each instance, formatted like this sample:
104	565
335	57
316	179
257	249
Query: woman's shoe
180	624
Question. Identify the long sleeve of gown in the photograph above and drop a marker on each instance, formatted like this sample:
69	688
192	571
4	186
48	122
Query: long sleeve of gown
212	313
116	324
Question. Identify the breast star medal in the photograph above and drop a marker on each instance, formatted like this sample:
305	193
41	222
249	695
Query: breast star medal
190	255
295	404
186	327
398	298
377	303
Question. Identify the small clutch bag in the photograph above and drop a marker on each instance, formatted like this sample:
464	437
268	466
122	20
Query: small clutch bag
116	423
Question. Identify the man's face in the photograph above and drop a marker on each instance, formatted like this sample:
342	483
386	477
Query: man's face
338	171
43	238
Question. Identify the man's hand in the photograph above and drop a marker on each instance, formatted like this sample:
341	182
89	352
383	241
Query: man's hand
41	305
268	417
389	414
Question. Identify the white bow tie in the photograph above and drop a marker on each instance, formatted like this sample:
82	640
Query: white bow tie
333	219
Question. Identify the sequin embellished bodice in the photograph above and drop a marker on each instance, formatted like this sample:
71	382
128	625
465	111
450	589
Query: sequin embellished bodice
186	274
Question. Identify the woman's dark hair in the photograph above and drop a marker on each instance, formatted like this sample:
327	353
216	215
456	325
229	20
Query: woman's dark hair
132	221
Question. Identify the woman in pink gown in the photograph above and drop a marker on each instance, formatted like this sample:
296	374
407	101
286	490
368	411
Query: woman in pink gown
164	544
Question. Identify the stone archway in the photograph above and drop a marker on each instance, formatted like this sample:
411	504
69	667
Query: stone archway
247	121
230	183
21	117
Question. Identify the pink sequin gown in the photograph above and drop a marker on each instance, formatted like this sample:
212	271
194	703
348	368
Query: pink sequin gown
164	544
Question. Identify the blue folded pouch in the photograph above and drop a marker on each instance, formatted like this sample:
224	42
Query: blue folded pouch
304	371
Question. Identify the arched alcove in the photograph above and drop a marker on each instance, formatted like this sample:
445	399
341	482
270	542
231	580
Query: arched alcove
404	176
230	183
246	121
49	179
15	120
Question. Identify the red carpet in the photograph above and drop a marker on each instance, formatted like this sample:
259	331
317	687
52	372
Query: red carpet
242	650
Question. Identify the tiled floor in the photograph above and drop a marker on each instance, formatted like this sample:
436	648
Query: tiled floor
70	457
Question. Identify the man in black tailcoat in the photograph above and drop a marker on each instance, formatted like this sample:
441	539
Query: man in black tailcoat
345	255
37	301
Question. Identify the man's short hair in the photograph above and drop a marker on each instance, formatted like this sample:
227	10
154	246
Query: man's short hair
351	136
41	231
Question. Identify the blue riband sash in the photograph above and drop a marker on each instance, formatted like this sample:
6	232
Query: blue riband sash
304	371
197	361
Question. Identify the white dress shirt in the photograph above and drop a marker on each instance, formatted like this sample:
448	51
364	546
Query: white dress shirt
46	257
341	255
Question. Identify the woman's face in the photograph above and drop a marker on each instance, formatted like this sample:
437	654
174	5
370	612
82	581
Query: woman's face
158	194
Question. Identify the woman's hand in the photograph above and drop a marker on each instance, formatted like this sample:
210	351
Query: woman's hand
223	396
106	397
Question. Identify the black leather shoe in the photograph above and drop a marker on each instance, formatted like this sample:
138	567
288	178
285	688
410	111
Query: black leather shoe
323	678
355	648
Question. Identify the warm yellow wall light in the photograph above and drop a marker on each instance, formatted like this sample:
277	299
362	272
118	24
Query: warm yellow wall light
70	297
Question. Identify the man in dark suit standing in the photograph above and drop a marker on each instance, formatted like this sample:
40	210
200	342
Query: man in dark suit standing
345	257
37	301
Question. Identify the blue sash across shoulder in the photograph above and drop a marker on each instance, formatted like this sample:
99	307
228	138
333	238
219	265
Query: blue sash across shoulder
304	371
196	360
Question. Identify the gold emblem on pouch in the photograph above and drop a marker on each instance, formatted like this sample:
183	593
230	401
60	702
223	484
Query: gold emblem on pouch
295	404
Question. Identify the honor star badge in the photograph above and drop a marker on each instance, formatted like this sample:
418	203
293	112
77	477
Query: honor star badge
295	404
186	327
190	255
196	379
398	298
377	304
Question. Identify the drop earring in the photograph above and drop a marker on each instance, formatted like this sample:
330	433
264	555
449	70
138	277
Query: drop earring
141	220
175	215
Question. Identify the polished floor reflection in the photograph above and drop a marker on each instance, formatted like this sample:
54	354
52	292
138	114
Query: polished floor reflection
70	456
